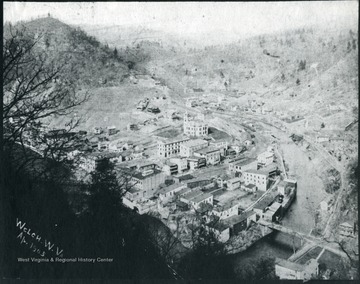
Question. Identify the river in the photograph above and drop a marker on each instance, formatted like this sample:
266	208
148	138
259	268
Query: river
300	215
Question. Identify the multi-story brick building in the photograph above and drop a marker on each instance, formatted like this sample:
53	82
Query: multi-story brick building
147	181
188	148
212	155
169	148
259	178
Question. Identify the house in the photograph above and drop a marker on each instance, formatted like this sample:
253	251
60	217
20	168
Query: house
259	178
200	199
196	197
347	230
210	154
169	191
115	147
111	130
188	148
103	146
171	147
97	130
238	166
190	103
288	270
326	204
322	138
233	183
221	231
194	126
186	196
90	161
249	187
238	223
225	211
147	181
132	127
266	158
221	180
196	162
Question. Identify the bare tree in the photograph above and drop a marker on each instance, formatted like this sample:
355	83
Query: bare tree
33	91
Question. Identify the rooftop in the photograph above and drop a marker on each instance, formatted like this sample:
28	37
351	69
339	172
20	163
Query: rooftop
142	177
250	185
234	180
263	171
195	142
207	150
275	206
226	206
173	140
238	218
264	202
243	162
170	188
185	177
184	191
201	197
290	265
193	194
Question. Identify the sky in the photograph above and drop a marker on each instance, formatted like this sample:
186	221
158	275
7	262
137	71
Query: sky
237	18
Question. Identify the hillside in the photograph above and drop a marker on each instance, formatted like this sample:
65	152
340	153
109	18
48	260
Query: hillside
82	58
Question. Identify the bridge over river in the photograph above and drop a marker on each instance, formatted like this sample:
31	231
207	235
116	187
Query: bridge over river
306	239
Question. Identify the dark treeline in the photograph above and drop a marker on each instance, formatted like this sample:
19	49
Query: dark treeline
105	230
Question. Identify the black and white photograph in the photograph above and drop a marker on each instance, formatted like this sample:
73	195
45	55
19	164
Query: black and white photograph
180	141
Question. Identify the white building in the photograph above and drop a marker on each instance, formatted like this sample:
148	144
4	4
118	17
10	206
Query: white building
169	192
266	158
226	211
285	269
233	183
147	181
239	166
182	163
212	155
195	126
187	148
222	145
169	148
259	178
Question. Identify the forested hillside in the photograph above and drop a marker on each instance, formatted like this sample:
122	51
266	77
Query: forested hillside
81	58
